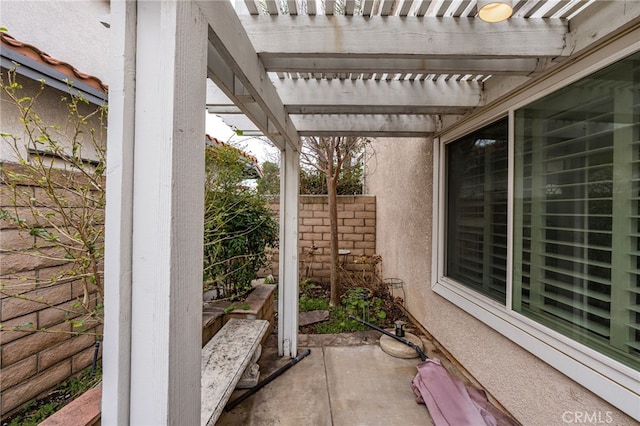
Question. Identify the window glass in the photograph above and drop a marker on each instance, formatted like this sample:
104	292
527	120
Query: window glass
576	211
477	173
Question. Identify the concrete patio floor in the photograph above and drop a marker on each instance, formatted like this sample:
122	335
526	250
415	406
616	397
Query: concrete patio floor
347	380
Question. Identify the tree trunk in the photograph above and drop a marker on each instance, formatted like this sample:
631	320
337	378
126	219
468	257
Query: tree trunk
332	183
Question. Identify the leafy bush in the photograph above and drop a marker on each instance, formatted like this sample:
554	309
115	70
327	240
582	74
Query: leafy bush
238	224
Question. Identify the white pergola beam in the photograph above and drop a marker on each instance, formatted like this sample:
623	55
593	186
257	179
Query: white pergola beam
311	7
371	125
364	125
215	96
242	122
223	109
293	7
393	64
250	6
426	37
239	121
162	240
406	6
231	52
603	19
362	97
367	7
272	6
370	96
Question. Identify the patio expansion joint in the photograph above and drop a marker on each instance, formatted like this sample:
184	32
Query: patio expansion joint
326	379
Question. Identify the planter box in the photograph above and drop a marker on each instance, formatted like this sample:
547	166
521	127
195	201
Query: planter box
260	306
212	322
82	411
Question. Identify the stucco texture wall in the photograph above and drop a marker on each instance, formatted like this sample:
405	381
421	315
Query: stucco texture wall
65	30
400	175
51	107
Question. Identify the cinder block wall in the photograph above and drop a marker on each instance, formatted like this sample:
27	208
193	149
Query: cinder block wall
356	232
32	363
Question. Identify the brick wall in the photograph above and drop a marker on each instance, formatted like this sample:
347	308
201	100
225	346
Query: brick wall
356	232
34	362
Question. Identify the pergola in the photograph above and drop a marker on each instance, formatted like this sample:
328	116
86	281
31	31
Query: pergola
284	69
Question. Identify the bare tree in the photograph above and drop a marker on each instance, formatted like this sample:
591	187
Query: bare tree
330	156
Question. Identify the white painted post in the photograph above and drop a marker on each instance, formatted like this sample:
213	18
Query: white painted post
116	360
288	266
166	216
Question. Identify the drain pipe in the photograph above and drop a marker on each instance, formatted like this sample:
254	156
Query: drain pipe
417	348
96	349
266	381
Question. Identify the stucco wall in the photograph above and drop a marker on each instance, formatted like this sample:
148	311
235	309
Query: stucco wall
50	108
66	30
400	175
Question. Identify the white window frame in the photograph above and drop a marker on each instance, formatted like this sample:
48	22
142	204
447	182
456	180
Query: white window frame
611	380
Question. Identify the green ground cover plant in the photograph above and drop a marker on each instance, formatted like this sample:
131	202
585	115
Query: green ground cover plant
359	302
372	305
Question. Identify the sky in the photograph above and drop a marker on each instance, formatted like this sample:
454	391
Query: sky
262	150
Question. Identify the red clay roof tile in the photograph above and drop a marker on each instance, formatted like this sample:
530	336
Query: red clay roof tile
64	67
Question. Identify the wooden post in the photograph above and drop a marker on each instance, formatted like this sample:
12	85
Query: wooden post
288	266
116	360
158	223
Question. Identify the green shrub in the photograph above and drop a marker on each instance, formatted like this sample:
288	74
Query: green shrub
238	224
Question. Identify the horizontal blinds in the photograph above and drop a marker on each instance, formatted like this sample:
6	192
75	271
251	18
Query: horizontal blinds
578	212
634	252
477	210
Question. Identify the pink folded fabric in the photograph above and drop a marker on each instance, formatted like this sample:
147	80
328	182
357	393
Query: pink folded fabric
448	399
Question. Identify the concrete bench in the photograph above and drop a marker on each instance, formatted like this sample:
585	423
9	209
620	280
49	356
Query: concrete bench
224	359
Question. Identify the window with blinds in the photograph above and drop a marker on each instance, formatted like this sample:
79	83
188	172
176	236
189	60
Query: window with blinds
477	191
577	211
